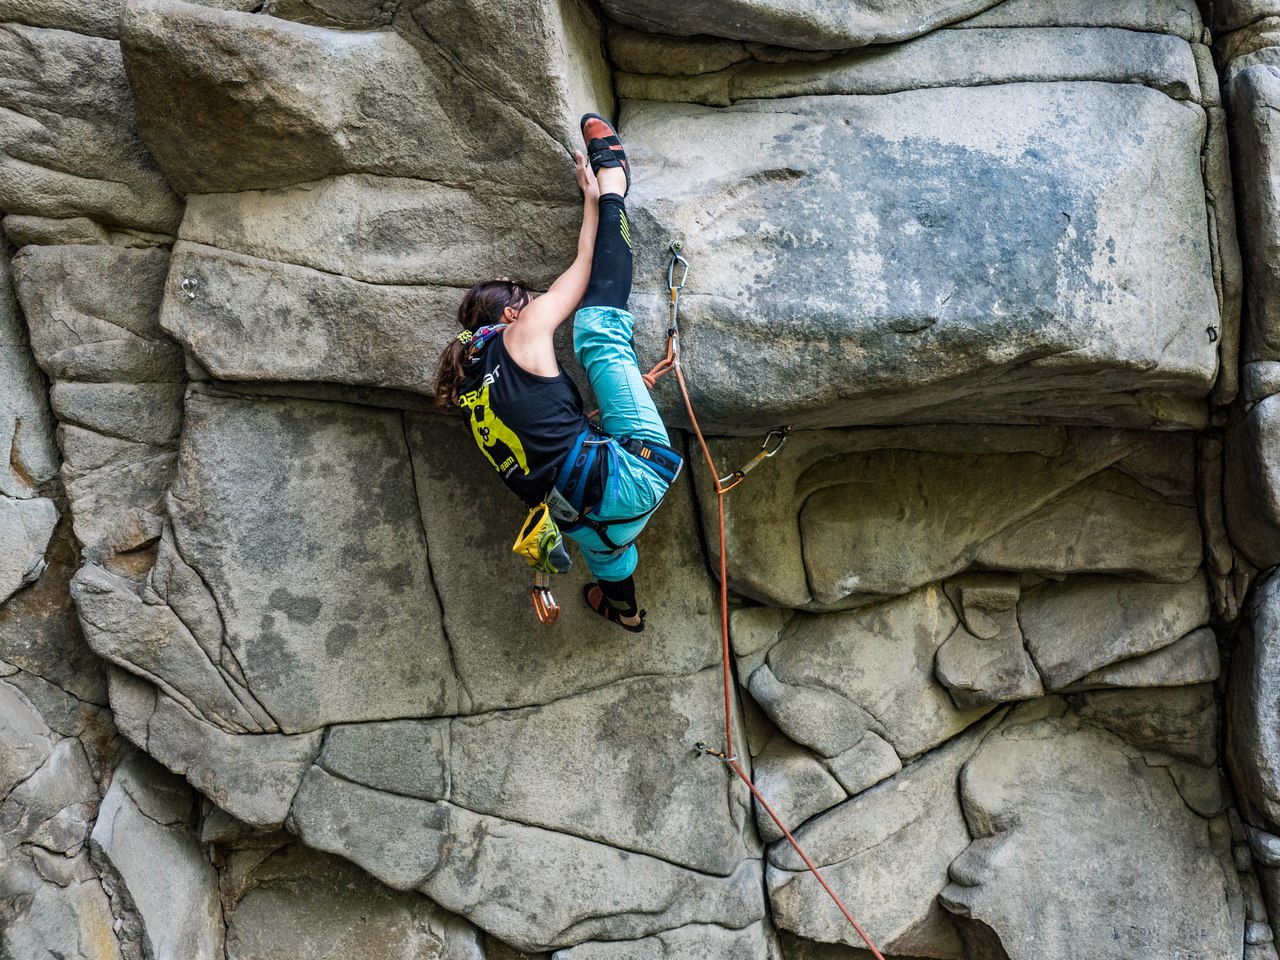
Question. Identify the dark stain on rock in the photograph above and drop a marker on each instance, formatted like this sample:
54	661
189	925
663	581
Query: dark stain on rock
297	608
339	638
641	717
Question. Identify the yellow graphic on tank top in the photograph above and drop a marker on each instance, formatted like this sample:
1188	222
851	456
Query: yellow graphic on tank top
496	440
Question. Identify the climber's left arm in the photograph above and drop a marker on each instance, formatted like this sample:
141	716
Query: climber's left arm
539	320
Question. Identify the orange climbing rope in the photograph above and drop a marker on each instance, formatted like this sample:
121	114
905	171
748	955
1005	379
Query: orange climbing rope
722	486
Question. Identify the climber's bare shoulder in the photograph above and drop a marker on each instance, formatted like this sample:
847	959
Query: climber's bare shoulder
528	338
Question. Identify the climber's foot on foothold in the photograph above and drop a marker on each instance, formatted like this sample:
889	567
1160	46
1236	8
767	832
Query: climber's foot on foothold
605	153
596	601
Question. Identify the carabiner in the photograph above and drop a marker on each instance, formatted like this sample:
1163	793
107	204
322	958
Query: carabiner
676	259
544	604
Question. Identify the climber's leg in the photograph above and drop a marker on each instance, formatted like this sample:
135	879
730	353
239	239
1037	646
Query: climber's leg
602	334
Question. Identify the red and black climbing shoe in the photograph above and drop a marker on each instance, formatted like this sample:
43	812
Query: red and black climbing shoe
610	612
604	149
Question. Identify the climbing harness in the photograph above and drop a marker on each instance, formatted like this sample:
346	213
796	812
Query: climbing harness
722	486
565	503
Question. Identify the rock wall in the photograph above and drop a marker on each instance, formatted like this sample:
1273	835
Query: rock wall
1003	614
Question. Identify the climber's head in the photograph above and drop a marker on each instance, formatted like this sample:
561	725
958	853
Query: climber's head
485	304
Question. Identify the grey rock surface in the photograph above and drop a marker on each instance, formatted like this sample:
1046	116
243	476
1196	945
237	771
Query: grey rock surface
1251	91
235	319
1180	721
458	858
1021	793
1253	753
1192	659
294	898
1181	18
69	144
26	427
144	839
1065	193
326	102
26	526
93	316
1086	501
381	230
1080	624
149	639
824	25
944	58
984	660
865	764
696	941
913	821
253	776
1252	483
879	658
796	785
583	765
321	573
984	252
828	721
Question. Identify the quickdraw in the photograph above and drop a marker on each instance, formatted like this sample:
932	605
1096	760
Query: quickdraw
730	481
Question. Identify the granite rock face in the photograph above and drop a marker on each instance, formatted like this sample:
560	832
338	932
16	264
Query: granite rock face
989	606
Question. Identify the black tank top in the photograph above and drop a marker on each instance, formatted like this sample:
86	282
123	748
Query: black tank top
524	424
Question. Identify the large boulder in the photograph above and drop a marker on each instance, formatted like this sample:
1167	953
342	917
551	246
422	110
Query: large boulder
26	526
822	25
887	851
1253	91
145	840
828	529
302	520
253	775
1069	324
1071	825
946	58
263	102
291	896
532	887
69	144
26	427
582	765
1253	710
93	314
1252	482
877	658
1081	624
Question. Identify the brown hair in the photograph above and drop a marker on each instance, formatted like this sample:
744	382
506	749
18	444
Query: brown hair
481	306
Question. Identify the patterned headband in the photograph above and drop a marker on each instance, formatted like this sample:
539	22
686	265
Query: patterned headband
476	339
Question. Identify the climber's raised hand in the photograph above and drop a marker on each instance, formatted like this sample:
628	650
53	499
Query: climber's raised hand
586	178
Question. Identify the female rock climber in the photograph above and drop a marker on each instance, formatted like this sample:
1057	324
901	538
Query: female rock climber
601	485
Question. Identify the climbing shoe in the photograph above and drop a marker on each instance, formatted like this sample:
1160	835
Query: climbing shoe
604	149
608	611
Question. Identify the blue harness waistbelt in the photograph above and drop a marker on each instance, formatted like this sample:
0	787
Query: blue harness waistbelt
568	496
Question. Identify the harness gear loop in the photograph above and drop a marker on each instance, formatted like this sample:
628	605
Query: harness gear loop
727	483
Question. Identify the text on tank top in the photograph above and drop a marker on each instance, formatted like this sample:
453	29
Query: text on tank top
525	424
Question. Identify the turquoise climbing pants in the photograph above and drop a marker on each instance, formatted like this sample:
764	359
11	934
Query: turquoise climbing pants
602	344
